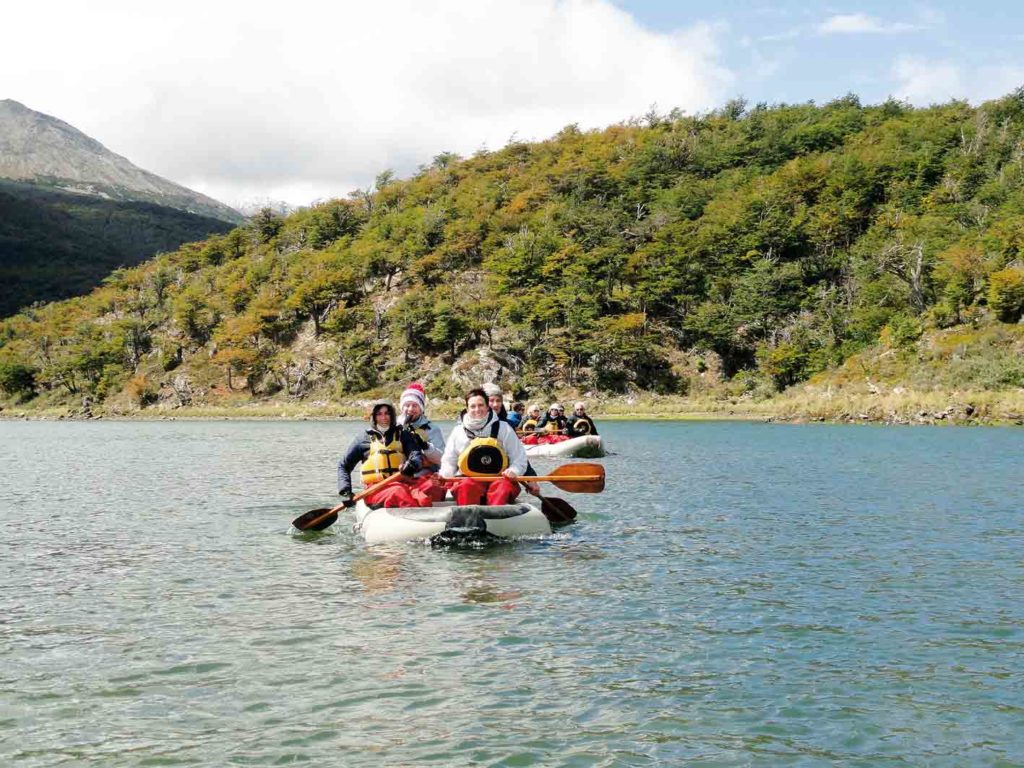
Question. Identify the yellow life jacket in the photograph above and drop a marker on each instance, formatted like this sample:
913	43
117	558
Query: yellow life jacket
484	456
383	459
529	425
581	427
551	427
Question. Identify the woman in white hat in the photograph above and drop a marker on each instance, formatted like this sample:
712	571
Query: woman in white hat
496	400
532	418
552	422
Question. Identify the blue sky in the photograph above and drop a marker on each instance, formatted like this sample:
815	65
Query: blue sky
793	51
310	100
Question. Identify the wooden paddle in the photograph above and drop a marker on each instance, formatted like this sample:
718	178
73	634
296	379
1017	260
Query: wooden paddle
318	519
559	512
577	478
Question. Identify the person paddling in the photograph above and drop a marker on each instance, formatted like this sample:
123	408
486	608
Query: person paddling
384	449
579	423
428	437
532	418
552	423
482	444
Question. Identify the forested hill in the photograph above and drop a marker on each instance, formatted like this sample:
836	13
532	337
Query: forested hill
753	244
56	244
71	210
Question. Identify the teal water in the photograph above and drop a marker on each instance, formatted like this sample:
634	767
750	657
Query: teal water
740	595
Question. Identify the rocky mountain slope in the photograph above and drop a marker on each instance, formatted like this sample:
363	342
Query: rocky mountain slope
71	211
43	150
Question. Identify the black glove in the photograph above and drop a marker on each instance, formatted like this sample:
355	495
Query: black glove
407	468
346	499
423	444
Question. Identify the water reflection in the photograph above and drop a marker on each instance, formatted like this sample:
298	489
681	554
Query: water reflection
488	593
756	607
377	572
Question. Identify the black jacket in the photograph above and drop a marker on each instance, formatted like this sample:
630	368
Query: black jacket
546	419
574	432
360	449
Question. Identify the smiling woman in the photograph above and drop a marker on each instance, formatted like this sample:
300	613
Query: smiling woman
483	445
389	457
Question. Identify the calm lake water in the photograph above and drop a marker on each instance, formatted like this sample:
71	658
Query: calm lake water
741	594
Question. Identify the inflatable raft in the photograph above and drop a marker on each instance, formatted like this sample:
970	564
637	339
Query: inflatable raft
448	521
587	445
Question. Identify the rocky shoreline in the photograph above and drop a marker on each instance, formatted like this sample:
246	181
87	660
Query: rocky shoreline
899	409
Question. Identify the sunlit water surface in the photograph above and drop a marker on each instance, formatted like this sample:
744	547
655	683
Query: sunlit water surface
741	594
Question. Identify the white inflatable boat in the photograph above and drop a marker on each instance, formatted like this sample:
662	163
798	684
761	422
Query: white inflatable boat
447	521
587	445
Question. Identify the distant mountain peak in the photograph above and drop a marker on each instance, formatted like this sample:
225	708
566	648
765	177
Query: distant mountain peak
252	206
41	149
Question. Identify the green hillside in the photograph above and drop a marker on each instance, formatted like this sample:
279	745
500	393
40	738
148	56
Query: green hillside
733	254
54	244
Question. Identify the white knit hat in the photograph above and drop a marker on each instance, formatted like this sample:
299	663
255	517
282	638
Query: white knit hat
492	389
414	394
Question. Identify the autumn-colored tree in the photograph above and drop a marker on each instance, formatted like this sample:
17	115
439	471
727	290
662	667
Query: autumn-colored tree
782	237
1006	293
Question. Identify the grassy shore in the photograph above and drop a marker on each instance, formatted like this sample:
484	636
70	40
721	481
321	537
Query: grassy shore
807	403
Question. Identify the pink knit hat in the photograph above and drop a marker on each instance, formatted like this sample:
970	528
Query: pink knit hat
414	394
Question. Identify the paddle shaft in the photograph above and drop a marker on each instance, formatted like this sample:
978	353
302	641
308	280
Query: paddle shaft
575	478
367	491
529	478
306	525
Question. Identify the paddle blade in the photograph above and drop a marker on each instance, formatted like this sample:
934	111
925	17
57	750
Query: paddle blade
559	512
594	473
579	468
316	519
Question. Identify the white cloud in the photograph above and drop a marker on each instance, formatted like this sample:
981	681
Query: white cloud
303	100
861	23
923	82
996	81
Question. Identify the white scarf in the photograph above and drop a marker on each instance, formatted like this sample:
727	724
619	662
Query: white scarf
475	425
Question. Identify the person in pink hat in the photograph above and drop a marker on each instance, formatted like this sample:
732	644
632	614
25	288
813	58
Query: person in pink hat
413	418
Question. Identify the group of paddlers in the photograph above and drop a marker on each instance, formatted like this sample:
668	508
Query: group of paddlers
481	462
551	427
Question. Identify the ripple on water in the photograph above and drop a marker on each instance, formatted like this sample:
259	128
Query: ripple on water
789	596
